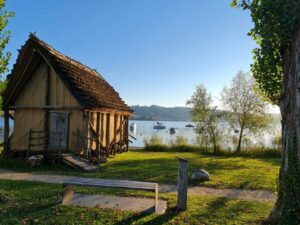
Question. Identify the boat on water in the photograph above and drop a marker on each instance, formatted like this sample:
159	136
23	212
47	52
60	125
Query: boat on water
159	126
189	125
132	127
173	130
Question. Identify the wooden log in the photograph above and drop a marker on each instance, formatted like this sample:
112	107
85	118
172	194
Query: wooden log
107	129
182	184
126	138
121	128
86	133
6	132
98	137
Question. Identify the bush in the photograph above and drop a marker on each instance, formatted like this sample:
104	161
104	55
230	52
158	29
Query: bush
155	140
180	141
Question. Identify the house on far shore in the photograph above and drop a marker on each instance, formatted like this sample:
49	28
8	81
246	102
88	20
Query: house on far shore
57	101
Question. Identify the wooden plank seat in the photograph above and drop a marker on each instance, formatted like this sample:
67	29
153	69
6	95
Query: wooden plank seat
69	187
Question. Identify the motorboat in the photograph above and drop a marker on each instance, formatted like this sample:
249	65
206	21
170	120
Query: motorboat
190	125
173	130
159	126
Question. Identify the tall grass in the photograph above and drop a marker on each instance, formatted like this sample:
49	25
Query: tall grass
180	144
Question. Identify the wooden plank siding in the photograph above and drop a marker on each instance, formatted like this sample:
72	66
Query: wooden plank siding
44	88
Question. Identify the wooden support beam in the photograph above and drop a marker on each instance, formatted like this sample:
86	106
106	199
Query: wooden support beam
107	129
6	133
126	138
86	133
121	128
115	127
102	128
98	137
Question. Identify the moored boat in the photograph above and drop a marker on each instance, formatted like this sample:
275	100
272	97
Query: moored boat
189	125
173	130
159	126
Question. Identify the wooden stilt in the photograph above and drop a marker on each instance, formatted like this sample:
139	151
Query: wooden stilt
107	130
6	133
86	133
98	137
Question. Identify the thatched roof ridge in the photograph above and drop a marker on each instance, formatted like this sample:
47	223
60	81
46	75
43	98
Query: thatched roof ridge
87	85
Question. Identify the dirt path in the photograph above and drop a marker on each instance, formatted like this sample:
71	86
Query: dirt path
254	195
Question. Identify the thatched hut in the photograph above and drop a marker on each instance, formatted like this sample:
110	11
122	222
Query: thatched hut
50	95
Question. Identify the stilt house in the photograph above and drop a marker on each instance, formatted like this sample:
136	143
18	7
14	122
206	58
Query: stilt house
57	101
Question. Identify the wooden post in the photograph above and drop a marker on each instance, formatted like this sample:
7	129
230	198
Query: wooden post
121	129
86	133
182	183
6	133
107	130
126	133
98	137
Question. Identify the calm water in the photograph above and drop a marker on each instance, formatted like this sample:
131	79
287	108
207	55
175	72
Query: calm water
145	131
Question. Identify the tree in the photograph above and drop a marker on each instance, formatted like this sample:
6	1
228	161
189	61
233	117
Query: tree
246	109
208	119
4	38
276	68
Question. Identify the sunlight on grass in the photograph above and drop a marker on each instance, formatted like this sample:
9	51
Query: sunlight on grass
35	203
226	171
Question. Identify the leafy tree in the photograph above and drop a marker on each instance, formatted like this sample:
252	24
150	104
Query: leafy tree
208	119
4	38
246	108
276	68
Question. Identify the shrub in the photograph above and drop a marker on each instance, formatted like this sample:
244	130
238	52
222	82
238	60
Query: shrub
154	140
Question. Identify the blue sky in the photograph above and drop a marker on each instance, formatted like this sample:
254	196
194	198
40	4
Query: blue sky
151	51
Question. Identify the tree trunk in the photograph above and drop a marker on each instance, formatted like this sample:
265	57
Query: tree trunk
287	207
238	148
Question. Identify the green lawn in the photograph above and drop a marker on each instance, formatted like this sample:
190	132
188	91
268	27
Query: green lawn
226	171
38	203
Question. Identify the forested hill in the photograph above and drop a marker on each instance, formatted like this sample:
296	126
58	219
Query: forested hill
154	112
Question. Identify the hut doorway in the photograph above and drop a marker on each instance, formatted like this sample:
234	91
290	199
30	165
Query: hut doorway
59	124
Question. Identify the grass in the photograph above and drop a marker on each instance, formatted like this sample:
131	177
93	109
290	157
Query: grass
38	203
227	171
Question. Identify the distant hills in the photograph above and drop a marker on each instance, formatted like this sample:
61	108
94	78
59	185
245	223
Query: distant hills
155	112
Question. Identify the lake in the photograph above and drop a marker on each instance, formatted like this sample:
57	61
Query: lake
145	131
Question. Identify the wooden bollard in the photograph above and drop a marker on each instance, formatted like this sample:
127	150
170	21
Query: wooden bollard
182	183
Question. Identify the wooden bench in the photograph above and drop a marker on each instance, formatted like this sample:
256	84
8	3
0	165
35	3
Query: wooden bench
69	187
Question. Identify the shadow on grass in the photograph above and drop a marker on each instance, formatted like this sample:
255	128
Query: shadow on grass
159	219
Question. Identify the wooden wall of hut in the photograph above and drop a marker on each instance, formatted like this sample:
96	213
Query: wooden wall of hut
31	109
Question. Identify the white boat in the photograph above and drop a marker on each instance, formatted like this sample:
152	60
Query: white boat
159	126
132	126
